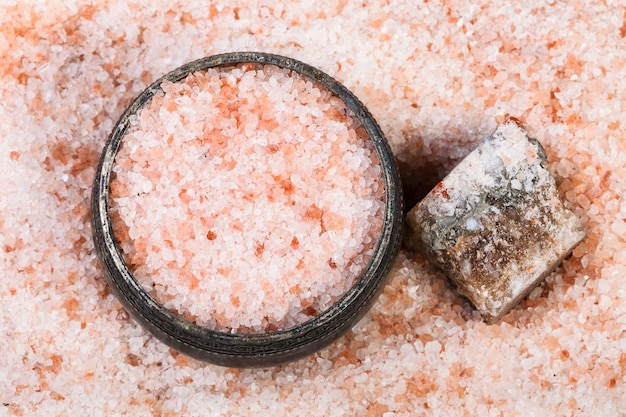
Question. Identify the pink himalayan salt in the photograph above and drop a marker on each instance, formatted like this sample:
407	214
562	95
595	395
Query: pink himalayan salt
247	199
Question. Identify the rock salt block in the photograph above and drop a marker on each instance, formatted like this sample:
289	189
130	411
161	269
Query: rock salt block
495	225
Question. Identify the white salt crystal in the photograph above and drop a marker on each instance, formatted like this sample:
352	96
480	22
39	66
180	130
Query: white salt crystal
515	184
472	224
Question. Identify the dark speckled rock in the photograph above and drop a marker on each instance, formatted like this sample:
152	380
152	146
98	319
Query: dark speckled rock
495	225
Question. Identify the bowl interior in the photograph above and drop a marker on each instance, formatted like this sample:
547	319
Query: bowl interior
234	349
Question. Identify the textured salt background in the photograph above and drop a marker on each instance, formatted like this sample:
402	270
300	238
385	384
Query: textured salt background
438	76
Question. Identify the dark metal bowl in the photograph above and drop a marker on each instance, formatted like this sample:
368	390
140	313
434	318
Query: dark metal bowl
247	350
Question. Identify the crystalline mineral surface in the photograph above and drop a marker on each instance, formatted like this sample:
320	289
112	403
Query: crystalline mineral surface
495	225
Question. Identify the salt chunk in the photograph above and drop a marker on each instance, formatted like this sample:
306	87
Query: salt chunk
502	239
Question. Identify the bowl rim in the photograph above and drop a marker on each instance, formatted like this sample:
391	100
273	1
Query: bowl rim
259	349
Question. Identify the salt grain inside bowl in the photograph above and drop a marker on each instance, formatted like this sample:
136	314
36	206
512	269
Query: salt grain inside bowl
247	201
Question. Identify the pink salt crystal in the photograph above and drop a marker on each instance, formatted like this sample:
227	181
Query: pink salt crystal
252	199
